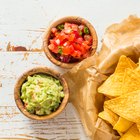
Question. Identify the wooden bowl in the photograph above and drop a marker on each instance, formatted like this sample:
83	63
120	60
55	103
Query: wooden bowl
23	78
71	19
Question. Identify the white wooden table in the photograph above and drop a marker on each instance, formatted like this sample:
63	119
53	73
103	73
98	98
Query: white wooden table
13	124
22	22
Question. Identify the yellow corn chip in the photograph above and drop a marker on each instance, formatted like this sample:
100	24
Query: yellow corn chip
124	62
122	125
113	85
109	116
124	110
137	69
138	126
131	134
131	81
126	106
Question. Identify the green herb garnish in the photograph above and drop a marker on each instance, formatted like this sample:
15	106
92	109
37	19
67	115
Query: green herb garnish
86	30
80	33
60	27
60	50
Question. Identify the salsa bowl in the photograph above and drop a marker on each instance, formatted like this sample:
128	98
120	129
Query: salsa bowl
69	40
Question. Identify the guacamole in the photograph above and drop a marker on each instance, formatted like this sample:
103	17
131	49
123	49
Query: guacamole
42	94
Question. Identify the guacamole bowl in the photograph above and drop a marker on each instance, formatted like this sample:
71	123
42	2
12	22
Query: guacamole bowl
41	93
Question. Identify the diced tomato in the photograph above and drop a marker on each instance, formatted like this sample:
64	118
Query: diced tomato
79	40
67	43
72	37
53	48
81	27
57	33
76	54
67	25
83	50
70	43
53	30
52	41
62	36
87	47
71	48
68	31
80	48
88	38
68	50
74	27
85	42
76	34
77	46
57	42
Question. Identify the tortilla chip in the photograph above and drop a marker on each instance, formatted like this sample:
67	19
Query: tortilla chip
122	125
126	106
137	70
124	62
131	134
138	126
113	85
109	116
131	81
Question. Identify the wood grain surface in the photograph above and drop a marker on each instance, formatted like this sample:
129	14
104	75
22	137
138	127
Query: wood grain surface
13	124
22	23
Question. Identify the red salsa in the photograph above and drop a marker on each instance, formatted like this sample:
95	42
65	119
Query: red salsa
70	42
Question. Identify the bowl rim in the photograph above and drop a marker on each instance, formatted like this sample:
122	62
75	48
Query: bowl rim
43	70
72	19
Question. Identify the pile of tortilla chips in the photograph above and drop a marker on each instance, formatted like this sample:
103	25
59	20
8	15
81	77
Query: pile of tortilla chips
122	107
